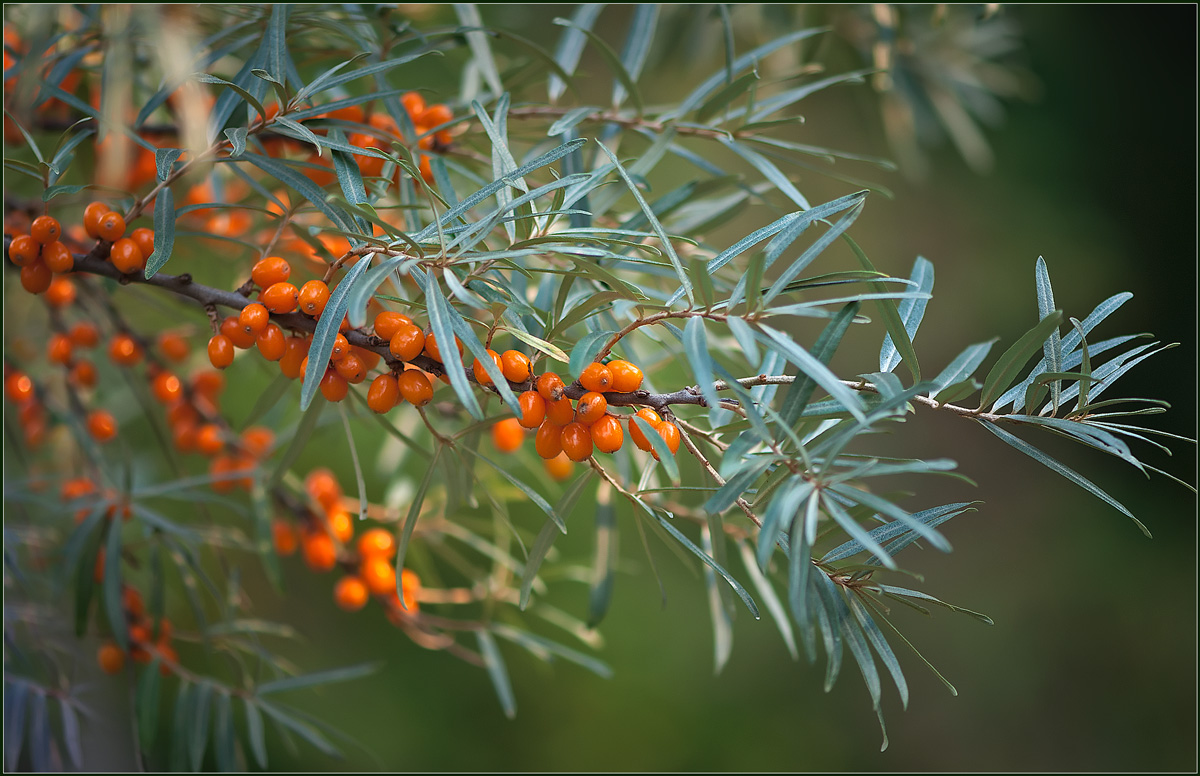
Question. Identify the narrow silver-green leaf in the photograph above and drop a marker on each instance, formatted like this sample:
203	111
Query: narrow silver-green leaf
318	678
691	547
1009	365
1052	347
327	331
164	231
496	669
911	312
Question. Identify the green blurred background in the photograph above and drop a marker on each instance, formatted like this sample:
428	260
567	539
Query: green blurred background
1092	662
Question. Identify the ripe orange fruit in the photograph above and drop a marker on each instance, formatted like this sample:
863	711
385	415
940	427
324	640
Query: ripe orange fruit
61	292
145	240
314	295
102	426
378	574
167	388
111	659
283	535
57	257
241	337
45	229
635	432
591	408
59	349
434	115
323	487
124	350
220	351
481	375
626	377
377	542
516	366
414	103
607	434
351	594
269	271
257	441
341	526
415	387
24	250
407	342
351	368
319	552
111	227
383	393
295	352
127	256
670	434
533	409
280	297
36	277
341	347
387	323
596	377
333	386
560	412
209	440
550	386
254	318
507	435
548	440
172	346
18	387
432	350
85	335
91	217
83	373
271	343
559	466
576	441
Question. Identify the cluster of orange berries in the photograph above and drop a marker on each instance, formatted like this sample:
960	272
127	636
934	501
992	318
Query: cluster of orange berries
576	430
143	643
424	119
323	542
42	256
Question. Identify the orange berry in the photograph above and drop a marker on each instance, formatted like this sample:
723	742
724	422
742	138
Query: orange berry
61	292
280	298
59	349
560	412
85	335
550	386
432	350
271	343
208	384
383	393
591	408
111	227
254	318
507	435
18	387
172	346
481	375
377	542
670	434
323	487
415	387
607	434
626	377
378	574
36	277
145	240
111	659
92	215
131	602
533	409
516	366
369	358
102	426
167	388
208	439
124	350
320	554
269	271
414	103
333	386
83	373
407	342
283	536
559	466
257	441
576	441
314	295
45	229
295	351
58	257
435	115
126	256
351	594
635	431
548	440
341	526
24	250
387	323
239	335
341	348
220	351
596	377
352	369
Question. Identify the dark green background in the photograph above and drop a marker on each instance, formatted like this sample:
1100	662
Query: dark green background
1092	662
